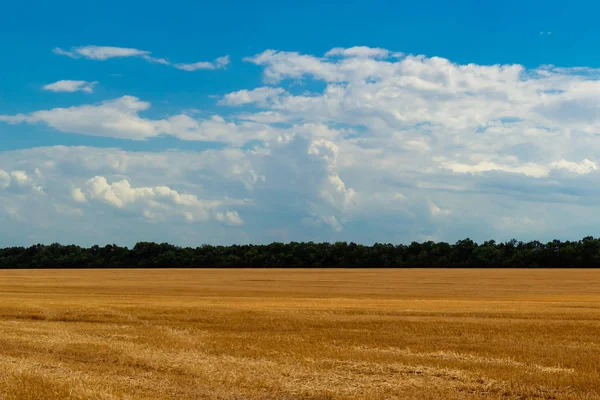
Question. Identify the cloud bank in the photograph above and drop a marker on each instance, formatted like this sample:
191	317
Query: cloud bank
360	144
71	86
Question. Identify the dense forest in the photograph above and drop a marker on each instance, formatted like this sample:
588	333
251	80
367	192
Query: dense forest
462	254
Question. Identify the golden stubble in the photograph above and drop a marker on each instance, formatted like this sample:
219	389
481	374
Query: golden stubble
299	334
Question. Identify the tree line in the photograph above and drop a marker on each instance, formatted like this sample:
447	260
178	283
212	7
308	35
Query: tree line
465	253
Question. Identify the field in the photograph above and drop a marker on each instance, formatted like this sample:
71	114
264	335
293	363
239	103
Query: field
299	334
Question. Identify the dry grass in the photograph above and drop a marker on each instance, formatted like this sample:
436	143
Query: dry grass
300	334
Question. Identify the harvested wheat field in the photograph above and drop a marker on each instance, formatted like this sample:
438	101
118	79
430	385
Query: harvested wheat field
299	334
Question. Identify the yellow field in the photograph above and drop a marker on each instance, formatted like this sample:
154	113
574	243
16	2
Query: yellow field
299	334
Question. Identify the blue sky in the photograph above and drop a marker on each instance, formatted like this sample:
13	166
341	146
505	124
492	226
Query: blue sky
237	122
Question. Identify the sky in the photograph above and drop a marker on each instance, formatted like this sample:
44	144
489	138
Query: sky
252	122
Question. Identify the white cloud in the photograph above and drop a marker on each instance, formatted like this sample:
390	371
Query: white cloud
195	66
529	169
158	201
229	217
119	118
431	105
13	119
219	63
101	52
114	118
78	196
262	96
584	167
19	181
156	60
196	197
61	52
20	177
437	211
361	51
216	129
281	64
333	189
71	86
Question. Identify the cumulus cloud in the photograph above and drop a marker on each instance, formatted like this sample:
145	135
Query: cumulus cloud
229	217
122	197
71	86
282	64
20	177
262	96
22	182
431	105
78	196
158	202
437	211
333	189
